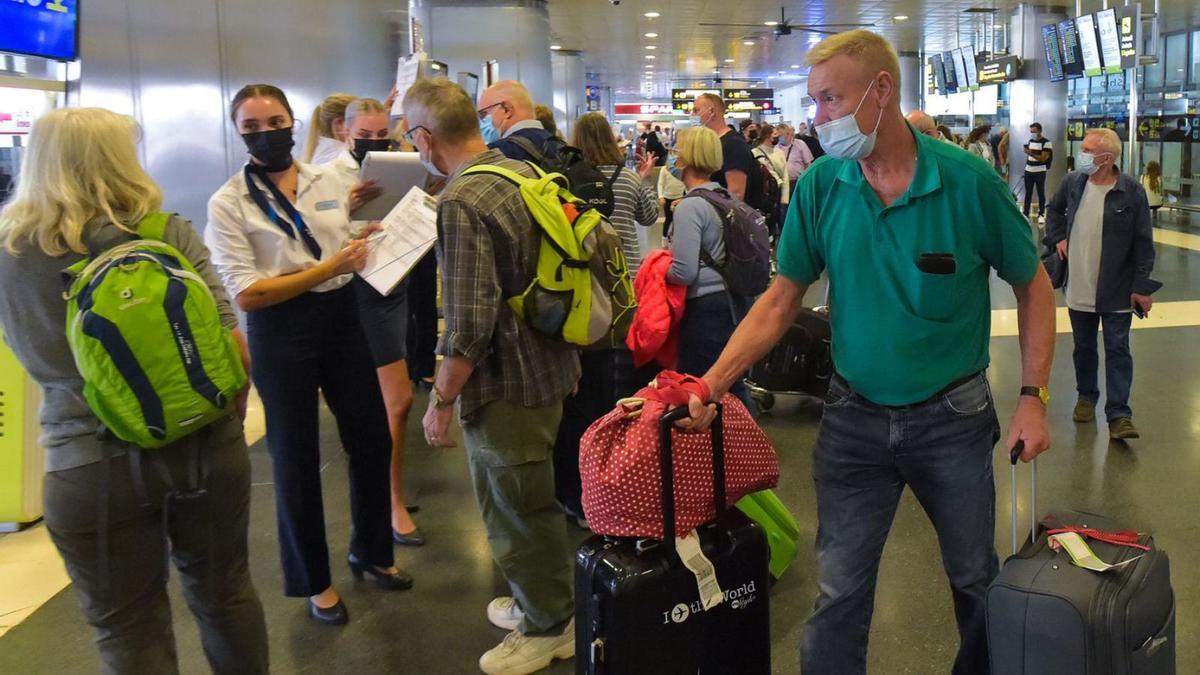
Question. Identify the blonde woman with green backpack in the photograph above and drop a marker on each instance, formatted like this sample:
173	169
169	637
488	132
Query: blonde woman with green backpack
139	416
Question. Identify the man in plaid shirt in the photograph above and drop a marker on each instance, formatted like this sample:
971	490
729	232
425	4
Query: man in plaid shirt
508	380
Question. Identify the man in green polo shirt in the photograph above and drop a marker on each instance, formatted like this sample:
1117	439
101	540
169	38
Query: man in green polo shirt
907	229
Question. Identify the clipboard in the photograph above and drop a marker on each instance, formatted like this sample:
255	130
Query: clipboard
397	173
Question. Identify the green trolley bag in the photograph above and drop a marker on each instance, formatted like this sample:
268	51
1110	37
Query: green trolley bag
783	534
147	338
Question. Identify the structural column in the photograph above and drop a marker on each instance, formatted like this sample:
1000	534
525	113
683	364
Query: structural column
1034	98
911	81
465	34
569	83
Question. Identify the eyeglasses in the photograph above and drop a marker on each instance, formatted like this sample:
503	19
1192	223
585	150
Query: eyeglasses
483	112
408	135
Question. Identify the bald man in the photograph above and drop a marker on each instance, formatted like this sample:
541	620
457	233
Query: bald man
923	123
507	113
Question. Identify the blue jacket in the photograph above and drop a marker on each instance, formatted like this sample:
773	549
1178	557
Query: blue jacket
1127	243
511	150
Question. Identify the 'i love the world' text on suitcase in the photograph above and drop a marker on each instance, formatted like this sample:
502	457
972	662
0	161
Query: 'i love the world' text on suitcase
1047	616
638	608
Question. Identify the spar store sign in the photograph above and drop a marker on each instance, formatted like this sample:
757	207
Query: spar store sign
642	109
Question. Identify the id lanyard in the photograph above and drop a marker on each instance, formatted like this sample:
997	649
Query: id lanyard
296	224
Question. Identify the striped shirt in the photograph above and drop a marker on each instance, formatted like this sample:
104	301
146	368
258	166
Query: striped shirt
634	204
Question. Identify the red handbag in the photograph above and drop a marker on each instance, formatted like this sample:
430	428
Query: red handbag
620	468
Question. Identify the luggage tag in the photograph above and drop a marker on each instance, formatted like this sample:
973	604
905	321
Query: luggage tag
694	559
1081	554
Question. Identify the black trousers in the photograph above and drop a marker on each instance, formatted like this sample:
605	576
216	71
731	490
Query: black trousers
606	377
422	318
308	345
123	589
1035	180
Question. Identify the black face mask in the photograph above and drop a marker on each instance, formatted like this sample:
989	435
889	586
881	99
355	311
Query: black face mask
364	145
272	147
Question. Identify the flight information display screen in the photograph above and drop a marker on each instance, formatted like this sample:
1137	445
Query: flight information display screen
1072	55
1110	40
46	29
1089	44
1054	60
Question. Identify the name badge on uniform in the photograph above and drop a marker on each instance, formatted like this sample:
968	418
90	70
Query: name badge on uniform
328	204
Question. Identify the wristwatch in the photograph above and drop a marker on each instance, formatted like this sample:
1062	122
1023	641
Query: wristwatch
439	401
1040	393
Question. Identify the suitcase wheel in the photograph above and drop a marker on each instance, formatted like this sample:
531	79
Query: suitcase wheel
765	399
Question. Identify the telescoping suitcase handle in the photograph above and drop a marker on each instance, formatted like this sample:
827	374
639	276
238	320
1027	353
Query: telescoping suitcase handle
1014	456
666	461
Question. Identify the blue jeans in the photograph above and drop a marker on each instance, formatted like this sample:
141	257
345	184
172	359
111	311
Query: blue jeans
708	323
1118	362
865	455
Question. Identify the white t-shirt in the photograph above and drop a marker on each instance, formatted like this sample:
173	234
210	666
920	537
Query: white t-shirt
1083	248
327	150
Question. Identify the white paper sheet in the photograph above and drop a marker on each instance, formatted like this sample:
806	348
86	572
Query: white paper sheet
408	233
407	71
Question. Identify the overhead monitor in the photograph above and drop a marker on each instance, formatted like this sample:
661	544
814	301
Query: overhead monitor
960	71
971	66
48	29
1089	44
1054	58
1110	40
999	69
1129	23
939	73
1072	55
952	83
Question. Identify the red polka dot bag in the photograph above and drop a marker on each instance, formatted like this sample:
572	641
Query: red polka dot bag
620	469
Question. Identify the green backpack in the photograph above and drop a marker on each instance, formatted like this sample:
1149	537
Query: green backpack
582	293
147	338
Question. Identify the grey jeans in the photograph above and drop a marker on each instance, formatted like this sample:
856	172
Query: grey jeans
509	450
121	580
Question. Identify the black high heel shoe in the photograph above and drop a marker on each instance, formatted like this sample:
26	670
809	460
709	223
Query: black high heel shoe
337	615
414	538
394	581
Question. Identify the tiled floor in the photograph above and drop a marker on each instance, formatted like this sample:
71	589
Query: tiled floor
439	626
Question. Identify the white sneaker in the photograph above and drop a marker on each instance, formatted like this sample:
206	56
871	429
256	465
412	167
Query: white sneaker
504	612
521	655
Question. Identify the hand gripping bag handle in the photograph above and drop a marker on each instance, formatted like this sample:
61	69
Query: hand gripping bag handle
666	462
1013	456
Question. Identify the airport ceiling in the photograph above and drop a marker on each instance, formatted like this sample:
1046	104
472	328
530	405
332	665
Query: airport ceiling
615	39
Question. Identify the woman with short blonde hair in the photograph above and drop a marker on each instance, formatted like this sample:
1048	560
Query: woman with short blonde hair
81	189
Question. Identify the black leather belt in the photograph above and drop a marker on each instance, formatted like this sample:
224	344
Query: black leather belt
941	392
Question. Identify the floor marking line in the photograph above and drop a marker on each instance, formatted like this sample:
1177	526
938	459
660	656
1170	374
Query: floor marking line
1179	239
1172	314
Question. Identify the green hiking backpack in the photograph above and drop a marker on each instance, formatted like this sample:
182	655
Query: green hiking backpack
147	338
581	293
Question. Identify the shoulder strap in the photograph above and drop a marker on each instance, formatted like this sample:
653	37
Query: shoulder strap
528	146
616	173
507	174
154	226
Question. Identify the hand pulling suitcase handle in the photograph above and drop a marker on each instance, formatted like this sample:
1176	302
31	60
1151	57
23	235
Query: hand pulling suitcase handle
666	462
1013	456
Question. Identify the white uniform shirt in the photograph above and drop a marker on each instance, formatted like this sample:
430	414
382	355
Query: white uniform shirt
327	150
347	168
247	247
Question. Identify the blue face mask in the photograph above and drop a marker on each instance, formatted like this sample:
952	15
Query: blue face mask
842	138
672	169
1085	162
490	133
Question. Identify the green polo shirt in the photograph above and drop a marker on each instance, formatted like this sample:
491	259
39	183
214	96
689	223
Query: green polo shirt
900	334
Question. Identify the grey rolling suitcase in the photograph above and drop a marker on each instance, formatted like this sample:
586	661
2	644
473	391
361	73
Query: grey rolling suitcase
1046	616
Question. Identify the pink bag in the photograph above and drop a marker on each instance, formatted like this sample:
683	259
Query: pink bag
619	462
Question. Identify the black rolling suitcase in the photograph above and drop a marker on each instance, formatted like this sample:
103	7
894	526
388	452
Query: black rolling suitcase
1046	616
638	608
802	362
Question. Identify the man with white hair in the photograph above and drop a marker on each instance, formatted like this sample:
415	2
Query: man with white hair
908	230
506	380
507	113
795	153
1099	221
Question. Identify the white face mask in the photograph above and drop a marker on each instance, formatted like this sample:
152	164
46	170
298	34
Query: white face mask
1086	162
842	138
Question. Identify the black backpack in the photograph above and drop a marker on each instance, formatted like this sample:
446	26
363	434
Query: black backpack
814	146
746	269
767	194
585	181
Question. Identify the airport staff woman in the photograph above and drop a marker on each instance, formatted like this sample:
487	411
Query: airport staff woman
384	318
279	234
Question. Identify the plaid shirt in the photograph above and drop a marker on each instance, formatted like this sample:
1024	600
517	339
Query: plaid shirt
488	248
